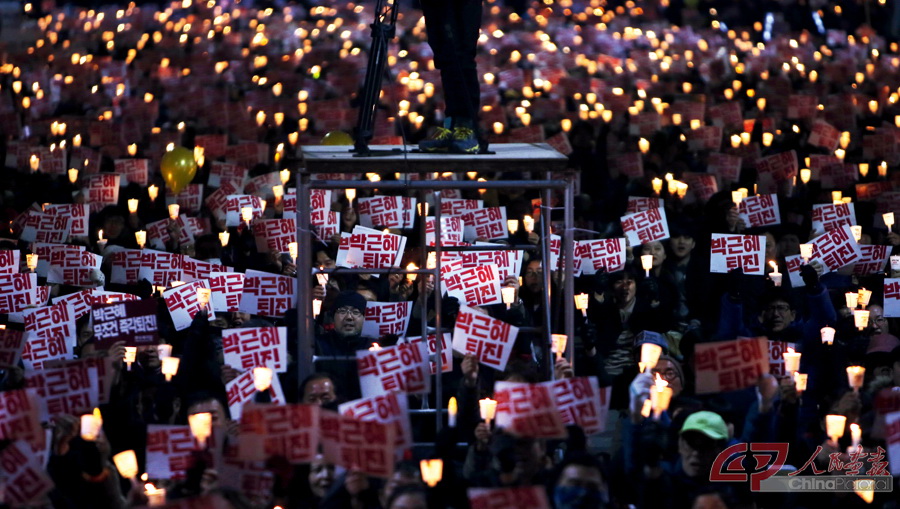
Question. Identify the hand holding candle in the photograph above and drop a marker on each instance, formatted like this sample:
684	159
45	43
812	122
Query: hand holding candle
834	426
775	276
488	408
855	377
791	361
581	303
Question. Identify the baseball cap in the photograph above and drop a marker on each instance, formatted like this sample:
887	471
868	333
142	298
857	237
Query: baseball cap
709	423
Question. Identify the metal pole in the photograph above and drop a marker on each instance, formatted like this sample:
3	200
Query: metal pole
546	196
438	334
305	326
568	269
422	214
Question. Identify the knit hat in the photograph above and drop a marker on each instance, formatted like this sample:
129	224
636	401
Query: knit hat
352	300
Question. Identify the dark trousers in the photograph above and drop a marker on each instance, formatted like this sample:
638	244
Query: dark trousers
452	27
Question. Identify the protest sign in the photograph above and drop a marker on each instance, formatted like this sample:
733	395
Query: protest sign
391	409
580	401
403	367
183	303
485	224
723	366
645	226
488	339
836	248
101	190
532	497
386	211
53	334
133	322
458	206
226	289
873	260
383	318
46	228
170	451
729	252
17	292
891	297
248	348
600	254
236	203
20	416
71	389
73	267
446	350
160	268
267	294
134	171
241	390
367	446
274	234
26	482
640	204
125	266
12	342
528	410
286	431
476	286
9	261
760	210
892	438
77	214
829	216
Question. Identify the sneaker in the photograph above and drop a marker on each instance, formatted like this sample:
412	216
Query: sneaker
439	142
464	141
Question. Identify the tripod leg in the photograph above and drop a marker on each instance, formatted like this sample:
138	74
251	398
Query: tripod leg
383	29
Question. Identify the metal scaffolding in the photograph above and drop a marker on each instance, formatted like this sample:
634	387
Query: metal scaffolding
538	159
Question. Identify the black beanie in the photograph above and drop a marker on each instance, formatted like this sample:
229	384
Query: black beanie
350	299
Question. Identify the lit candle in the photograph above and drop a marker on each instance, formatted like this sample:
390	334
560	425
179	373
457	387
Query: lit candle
857	232
800	380
203	295
173	211
855	377
201	426
649	356
888	219
508	293
827	335
737	197
855	434
657	184
170	367
647	263
73	175
834	426
223	238
285	174
644	145
153	192
278	193
247	214
432	471
805	175
31	261
864	297
375	347
130	356
512	225
852	299
91	425
141	238
262	378
528	223
292	252
791	360
558	344
861	318
581	303
863	169
836	196
488	408
660	396
316	307
775	276
126	464
155	496
806	252
164	351
451	412
351	195
133	205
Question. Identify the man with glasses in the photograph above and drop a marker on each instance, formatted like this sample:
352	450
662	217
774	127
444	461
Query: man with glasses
336	348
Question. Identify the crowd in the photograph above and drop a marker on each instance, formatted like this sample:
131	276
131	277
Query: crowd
666	110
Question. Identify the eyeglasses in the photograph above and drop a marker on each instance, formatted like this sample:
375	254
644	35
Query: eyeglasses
355	313
779	308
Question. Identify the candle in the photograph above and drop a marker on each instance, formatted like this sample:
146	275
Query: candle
375	347
451	412
581	303
292	252
827	335
247	214
126	464
223	238
863	169
422	208
432	471
660	396
130	356
164	351
155	496
834	426
153	192
805	175
647	263
864	297
836	196
512	225
411	277
316	307
322	278
350	194
806	252
558	344
488	408
895	262
133	205
203	295
737	197
857	232
201	426
91	425
855	377
657	184
141	238
170	367
73	175
861	318
649	356
508	293
800	380
262	378
173	211
278	193
644	145
791	360
852	299
31	261
888	219
855	434
528	223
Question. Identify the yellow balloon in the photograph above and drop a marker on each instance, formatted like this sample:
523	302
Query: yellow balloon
337	138
178	168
